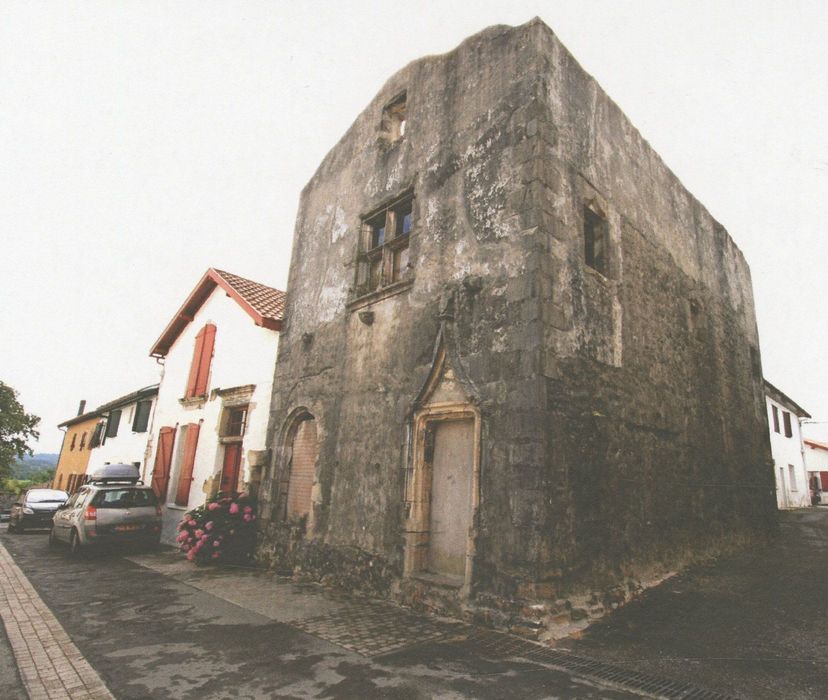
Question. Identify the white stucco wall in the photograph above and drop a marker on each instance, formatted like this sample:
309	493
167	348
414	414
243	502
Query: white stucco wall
243	354
787	451
127	446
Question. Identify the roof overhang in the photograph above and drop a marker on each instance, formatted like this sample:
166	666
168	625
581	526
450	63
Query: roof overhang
185	315
785	400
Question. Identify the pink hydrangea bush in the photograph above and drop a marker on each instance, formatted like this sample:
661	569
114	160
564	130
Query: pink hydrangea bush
221	531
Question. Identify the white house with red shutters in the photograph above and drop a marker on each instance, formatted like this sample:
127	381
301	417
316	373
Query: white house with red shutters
210	423
784	422
121	434
816	462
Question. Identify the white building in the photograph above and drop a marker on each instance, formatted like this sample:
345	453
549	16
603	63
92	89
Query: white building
121	434
816	463
210	424
784	416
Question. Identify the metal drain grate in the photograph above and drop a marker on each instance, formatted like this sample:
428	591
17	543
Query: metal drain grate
373	629
499	645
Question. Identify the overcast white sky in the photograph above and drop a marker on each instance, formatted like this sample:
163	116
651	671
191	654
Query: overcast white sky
141	143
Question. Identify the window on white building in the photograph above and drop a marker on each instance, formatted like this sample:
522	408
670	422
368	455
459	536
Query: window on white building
786	419
792	477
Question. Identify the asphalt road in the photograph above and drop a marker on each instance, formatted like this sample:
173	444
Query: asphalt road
151	636
752	624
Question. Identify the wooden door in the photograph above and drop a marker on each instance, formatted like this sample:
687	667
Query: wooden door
231	467
451	497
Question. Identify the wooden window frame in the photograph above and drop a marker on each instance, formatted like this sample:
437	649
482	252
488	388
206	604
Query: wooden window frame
775	418
382	256
226	422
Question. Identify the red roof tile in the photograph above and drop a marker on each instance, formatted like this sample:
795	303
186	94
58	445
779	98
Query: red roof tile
267	301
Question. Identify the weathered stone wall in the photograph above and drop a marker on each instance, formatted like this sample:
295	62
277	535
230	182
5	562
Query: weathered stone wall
622	420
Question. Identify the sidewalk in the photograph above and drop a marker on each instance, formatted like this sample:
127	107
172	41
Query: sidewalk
393	635
49	664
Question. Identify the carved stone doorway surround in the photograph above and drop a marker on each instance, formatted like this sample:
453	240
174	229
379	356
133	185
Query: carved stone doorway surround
443	398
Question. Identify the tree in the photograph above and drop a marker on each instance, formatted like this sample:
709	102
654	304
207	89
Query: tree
16	429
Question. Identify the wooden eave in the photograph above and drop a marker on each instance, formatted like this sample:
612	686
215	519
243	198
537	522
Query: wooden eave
195	301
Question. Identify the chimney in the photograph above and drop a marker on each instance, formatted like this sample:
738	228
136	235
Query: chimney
81	407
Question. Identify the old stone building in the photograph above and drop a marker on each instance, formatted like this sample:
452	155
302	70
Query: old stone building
520	361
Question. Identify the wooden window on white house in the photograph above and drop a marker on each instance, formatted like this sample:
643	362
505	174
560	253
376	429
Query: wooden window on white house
775	416
786	420
112	423
235	420
141	418
384	257
792	477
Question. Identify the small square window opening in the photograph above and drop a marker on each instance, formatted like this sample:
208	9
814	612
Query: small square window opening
394	119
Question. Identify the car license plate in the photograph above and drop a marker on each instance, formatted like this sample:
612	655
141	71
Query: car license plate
127	528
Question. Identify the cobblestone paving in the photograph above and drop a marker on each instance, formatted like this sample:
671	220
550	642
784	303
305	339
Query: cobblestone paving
372	629
51	666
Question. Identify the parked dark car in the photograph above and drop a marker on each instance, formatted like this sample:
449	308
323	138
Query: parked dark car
35	509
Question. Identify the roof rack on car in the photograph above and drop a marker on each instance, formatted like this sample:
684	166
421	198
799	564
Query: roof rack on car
114	474
108	481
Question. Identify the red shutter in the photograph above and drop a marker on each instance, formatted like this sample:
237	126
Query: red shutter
823	478
200	367
163	460
230	470
185	476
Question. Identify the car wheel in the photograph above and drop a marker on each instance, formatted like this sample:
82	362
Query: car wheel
74	544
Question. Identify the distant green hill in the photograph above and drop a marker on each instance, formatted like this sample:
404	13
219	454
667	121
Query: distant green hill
36	464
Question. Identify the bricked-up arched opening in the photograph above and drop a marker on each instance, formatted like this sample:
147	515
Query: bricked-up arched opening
299	474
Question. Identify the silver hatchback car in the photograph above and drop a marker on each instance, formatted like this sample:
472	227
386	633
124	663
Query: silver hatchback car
108	510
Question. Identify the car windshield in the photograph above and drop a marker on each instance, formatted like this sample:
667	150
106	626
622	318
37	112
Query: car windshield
125	498
46	496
